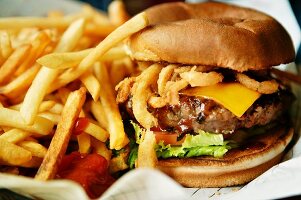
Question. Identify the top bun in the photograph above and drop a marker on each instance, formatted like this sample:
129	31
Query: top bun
212	34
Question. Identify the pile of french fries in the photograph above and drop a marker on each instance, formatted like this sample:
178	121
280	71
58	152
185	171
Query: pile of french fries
55	70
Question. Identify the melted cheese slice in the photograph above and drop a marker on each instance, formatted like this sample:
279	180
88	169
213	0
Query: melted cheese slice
233	96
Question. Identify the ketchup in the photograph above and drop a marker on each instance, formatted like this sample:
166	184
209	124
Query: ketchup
90	171
80	125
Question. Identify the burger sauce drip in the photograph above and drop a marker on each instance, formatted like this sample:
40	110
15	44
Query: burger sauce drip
90	171
80	125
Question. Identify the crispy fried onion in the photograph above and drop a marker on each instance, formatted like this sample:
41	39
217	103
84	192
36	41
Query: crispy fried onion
141	93
195	78
264	87
170	96
124	89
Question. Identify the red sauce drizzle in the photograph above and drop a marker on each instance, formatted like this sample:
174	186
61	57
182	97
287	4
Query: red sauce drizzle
90	171
80	125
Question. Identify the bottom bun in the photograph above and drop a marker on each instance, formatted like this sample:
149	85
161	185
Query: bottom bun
238	166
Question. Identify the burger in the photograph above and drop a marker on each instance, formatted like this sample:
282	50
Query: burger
206	92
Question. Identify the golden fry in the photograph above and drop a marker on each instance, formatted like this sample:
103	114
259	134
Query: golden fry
15	135
117	13
38	44
6	46
35	148
61	136
101	149
92	85
118	138
84	143
99	113
21	83
71	59
45	77
13	118
13	61
135	24
97	132
12	154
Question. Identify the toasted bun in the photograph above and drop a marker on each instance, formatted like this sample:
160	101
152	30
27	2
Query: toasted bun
237	167
213	34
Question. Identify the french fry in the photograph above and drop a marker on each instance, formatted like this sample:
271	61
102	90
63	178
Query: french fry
21	83
135	24
63	94
56	109
15	135
84	143
92	85
61	136
101	149
12	154
39	43
6	46
99	113
71	59
35	162
12	118
55	118
35	148
97	132
63	60
45	106
146	152
13	61
117	13
118	138
45	77
38	22
99	30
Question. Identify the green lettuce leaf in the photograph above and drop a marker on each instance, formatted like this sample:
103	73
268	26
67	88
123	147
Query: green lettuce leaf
203	139
138	131
203	144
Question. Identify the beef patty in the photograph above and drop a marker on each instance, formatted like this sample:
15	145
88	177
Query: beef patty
196	113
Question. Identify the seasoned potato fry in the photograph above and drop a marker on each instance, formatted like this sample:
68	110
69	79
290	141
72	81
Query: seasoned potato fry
135	24
117	13
118	138
45	77
101	149
97	132
13	118
84	143
99	113
35	148
55	118
15	135
21	83
45	106
62	135
12	154
11	64
39	43
6	46
71	59
92	85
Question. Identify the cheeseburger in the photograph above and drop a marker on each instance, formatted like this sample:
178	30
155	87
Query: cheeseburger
207	94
